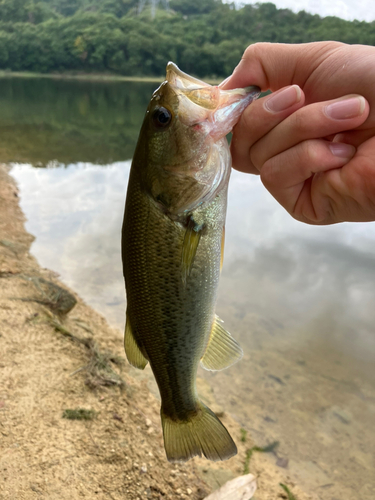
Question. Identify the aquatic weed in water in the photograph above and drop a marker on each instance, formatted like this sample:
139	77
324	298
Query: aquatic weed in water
250	451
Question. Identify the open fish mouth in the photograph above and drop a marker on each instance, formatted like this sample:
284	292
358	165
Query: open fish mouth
213	110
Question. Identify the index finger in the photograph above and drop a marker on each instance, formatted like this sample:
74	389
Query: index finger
259	119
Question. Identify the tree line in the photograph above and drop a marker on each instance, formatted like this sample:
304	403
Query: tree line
204	37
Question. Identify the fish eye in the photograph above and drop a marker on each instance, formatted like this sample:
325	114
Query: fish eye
161	117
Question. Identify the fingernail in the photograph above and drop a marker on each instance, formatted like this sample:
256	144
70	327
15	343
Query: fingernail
346	108
342	150
284	99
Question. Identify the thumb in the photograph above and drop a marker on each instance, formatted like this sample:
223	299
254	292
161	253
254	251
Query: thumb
272	66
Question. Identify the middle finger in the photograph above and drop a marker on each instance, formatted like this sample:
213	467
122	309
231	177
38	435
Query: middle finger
310	122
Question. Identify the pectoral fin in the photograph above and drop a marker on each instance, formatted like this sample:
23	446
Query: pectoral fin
189	248
222	350
132	351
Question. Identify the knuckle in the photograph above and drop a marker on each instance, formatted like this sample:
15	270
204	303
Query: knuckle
300	125
247	121
268	175
255	158
256	51
365	180
310	152
309	157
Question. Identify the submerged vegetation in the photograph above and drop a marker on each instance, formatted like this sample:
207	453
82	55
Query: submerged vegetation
204	37
249	453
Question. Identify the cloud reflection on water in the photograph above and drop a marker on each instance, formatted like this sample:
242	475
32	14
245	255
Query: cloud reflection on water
274	266
76	215
299	299
278	267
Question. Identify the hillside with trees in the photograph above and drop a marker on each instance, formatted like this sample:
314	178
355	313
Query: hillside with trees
204	37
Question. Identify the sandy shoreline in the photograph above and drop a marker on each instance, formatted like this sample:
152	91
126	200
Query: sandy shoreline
43	372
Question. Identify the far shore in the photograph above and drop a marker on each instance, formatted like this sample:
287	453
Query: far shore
105	77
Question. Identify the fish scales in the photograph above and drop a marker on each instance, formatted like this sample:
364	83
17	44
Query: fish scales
173	315
172	249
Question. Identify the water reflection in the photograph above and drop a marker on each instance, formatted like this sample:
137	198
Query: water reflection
76	213
275	267
45	120
298	298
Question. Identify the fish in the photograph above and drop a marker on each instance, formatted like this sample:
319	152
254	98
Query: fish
172	253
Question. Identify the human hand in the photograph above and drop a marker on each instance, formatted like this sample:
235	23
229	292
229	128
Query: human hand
313	139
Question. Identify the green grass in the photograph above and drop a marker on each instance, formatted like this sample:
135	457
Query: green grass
79	414
243	435
288	492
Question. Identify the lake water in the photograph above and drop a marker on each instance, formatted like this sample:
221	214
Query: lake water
299	299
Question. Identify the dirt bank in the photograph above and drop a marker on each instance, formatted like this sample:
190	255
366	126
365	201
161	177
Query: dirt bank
50	364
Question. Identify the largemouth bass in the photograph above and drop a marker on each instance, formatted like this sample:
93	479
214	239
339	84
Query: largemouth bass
172	244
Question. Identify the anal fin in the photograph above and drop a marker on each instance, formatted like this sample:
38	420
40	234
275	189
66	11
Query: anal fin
132	351
222	349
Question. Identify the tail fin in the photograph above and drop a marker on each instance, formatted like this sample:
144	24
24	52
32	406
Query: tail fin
203	434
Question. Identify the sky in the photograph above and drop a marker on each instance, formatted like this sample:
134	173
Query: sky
363	10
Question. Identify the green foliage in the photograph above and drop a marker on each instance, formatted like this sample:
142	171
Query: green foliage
204	37
193	7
